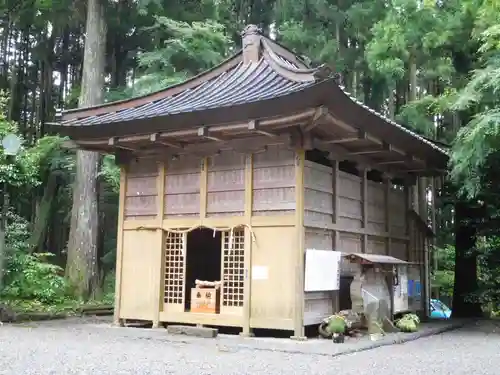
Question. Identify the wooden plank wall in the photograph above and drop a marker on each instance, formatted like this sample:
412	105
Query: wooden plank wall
141	193
350	223
182	187
226	185
318	212
398	212
274	182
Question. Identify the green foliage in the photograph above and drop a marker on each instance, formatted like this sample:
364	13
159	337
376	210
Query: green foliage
30	277
34	278
489	272
313	43
444	277
408	323
336	324
480	138
186	49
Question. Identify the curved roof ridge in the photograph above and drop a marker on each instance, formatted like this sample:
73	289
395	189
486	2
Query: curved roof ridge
287	70
285	52
177	88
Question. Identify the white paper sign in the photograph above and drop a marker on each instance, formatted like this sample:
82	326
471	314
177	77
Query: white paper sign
322	271
260	273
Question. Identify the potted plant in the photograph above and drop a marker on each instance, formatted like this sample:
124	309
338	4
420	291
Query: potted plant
337	327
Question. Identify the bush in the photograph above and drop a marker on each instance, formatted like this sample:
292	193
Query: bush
30	277
408	323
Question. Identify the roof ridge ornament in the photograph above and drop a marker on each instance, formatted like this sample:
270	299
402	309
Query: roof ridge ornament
251	29
251	35
323	72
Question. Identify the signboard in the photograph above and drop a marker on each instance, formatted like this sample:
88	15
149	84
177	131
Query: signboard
322	270
260	273
205	300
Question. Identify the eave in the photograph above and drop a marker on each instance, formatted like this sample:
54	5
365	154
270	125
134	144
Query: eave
247	106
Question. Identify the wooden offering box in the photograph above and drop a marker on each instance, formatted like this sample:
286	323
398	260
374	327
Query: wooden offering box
205	300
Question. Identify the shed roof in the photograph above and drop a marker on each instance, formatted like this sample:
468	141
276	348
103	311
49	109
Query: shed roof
376	258
277	83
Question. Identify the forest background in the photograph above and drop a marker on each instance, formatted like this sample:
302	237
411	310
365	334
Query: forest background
433	66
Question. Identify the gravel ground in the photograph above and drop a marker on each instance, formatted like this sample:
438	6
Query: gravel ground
93	348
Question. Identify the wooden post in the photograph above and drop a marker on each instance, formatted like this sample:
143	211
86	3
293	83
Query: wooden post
434	228
408	207
159	251
422	198
335	201
387	193
119	245
364	211
203	188
335	218
423	247
248	246
299	263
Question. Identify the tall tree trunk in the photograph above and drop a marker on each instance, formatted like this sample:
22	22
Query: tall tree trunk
465	263
82	263
413	78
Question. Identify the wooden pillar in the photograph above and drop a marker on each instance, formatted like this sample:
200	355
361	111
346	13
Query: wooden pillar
414	199
248	246
335	218
434	228
160	247
364	210
423	248
387	199
203	188
119	244
408	206
300	254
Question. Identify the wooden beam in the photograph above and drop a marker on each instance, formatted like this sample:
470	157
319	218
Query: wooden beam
296	118
408	158
204	132
155	138
351	137
340	153
339	123
113	142
384	147
245	145
253	126
320	113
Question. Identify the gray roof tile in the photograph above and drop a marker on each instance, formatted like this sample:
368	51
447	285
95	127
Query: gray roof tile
242	84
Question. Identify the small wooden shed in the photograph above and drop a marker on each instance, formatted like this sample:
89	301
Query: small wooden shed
233	174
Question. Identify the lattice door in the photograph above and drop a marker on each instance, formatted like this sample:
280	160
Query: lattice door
233	271
174	270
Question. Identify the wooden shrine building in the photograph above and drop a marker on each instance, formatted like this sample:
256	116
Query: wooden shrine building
230	176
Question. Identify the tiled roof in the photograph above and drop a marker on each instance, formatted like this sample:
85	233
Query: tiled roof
275	83
242	84
395	124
